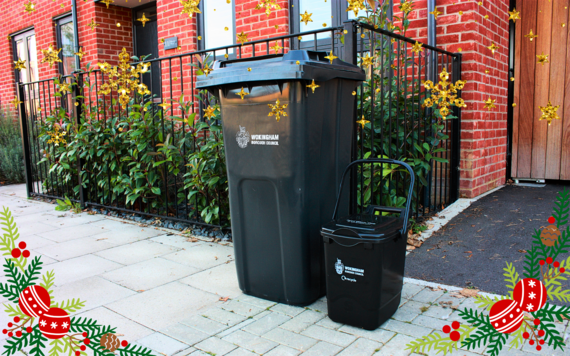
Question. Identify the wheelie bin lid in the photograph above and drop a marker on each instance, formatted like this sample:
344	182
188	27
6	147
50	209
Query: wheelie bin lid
362	228
279	68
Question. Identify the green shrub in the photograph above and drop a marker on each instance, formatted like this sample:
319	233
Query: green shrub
11	153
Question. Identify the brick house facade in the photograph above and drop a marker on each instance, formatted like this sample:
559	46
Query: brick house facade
483	133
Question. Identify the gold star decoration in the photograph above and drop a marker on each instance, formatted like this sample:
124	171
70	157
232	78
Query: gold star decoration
209	112
276	48
29	7
331	57
207	70
436	13
19	64
493	47
268	5
242	93
143	19
549	113
50	55
362	121
306	18
16	102
64	88
444	94
92	24
367	61
406	7
242	37
490	104
107	2
531	35
542	58
313	86
417	47
56	136
127	78
80	53
512	79
164	106
514	15
355	6
190	7
277	110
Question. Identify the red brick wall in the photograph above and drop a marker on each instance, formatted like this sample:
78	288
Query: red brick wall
483	132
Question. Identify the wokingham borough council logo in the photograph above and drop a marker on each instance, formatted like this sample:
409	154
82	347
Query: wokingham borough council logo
242	137
338	266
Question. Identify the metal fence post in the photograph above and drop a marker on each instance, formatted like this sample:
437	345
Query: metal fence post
350	56
78	111
24	132
456	133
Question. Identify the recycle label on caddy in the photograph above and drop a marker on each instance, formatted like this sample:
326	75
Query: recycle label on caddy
341	270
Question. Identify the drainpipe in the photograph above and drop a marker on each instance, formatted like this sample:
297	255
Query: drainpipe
75	31
431	30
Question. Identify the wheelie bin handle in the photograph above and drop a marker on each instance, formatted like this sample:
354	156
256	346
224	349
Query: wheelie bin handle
404	229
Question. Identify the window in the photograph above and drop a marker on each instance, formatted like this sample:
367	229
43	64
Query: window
216	17
25	49
65	36
332	12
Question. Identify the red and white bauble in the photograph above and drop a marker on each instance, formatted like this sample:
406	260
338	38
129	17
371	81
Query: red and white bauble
531	294
55	323
506	316
34	301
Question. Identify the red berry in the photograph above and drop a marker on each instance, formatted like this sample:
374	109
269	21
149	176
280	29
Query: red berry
538	348
531	342
549	260
86	341
562	270
77	353
551	220
526	335
26	254
536	321
18	333
10	334
16	253
4	331
10	325
446	329
84	334
29	330
16	319
124	343
541	342
455	325
541	262
455	336
556	264
22	245
541	333
83	348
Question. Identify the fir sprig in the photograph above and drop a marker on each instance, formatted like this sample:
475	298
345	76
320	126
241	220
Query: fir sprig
485	332
32	273
562	208
70	306
38	342
15	278
15	344
56	347
80	325
517	339
498	340
511	278
48	281
532	268
134	350
552	336
9	237
13	311
486	302
550	312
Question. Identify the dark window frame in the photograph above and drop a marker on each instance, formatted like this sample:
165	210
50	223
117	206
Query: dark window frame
59	21
14	36
201	31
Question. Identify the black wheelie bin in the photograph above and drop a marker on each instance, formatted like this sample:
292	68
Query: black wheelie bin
283	171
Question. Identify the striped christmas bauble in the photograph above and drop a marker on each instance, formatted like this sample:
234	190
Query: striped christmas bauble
34	301
531	294
550	235
506	316
55	323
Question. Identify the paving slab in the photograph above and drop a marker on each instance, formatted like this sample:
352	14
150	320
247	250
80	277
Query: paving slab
291	339
266	323
130	329
128	234
162	344
70	233
180	242
135	252
80	267
185	334
380	335
163	306
250	342
203	256
215	346
323	348
324	334
204	324
149	274
302	321
221	280
283	351
397	346
74	248
361	347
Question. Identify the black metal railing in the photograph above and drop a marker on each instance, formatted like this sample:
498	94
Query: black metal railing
104	172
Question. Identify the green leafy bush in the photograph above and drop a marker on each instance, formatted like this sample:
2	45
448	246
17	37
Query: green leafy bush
11	153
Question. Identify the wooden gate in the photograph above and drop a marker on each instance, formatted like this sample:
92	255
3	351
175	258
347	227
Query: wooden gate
539	150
